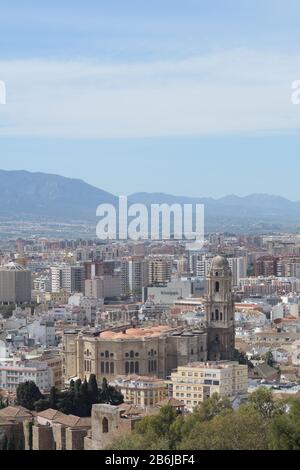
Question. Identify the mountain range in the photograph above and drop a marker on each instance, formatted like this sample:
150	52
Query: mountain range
41	196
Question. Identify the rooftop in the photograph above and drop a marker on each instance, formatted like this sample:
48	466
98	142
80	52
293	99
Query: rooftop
135	333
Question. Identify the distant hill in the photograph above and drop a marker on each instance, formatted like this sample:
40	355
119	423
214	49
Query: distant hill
44	196
32	196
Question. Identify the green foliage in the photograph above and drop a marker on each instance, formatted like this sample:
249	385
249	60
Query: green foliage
286	428
261	424
244	429
78	400
28	394
242	359
7	310
269	358
262	401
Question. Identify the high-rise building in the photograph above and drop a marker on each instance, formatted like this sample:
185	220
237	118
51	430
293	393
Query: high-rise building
134	276
67	277
238	268
15	284
160	270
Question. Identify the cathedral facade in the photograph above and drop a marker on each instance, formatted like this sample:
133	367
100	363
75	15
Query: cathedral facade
220	312
157	351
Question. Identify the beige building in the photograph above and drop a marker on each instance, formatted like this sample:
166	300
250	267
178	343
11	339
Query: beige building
141	391
103	287
153	352
61	297
194	383
160	270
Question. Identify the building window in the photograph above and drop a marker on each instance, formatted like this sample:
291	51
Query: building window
105	426
131	354
102	368
217	315
127	368
107	368
217	287
106	354
112	368
137	368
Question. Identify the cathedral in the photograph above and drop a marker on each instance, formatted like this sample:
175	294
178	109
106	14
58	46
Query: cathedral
220	312
157	350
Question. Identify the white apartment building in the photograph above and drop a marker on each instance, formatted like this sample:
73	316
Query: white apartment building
67	277
238	268
42	331
134	275
196	382
11	375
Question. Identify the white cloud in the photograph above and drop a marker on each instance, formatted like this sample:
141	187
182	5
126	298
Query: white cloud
237	91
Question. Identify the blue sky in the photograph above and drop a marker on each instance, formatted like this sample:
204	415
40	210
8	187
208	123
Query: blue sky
182	97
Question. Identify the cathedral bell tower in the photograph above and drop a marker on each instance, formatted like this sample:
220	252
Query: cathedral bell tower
220	311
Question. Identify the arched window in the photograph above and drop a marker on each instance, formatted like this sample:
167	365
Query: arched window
106	353
212	316
107	368
127	369
217	287
221	316
112	368
102	367
217	314
105	426
132	367
131	354
137	368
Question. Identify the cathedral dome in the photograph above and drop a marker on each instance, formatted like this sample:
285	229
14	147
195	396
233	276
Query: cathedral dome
219	262
220	265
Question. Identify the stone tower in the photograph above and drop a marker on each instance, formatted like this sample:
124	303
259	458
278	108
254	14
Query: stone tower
220	312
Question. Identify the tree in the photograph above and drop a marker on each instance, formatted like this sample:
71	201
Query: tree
53	398
42	405
110	395
269	358
262	400
28	394
93	389
285	434
77	385
244	429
